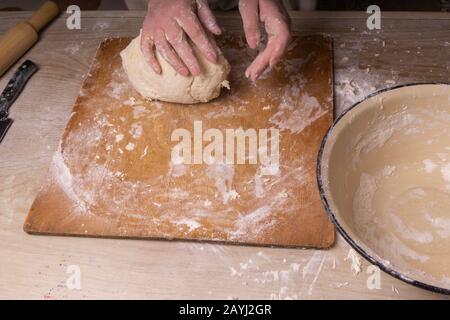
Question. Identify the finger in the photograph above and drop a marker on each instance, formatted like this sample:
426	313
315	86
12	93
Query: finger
281	43
216	46
277	28
271	55
167	52
183	48
275	17
258	66
147	48
193	28
285	14
250	18
207	18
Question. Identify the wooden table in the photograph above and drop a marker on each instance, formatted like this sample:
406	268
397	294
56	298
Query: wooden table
411	47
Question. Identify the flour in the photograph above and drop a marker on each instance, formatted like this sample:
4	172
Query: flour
316	276
285	275
117	89
362	202
388	171
139	111
445	170
259	188
296	114
401	250
72	50
342	284
176	166
313	264
221	111
130	102
77	188
411	233
429	165
369	227
442	225
356	84
119	137
355	260
130	146
294	65
101	26
223	177
378	135
136	131
144	154
191	224
64	179
253	223
295	267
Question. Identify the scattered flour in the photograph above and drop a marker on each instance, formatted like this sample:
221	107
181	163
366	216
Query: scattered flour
445	170
130	146
254	223
189	223
430	165
355	260
297	111
101	26
223	177
119	137
136	131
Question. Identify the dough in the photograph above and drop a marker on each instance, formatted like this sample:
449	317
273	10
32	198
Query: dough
169	85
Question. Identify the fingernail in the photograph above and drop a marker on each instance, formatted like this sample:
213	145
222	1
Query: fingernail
247	74
212	56
155	66
183	72
195	72
217	29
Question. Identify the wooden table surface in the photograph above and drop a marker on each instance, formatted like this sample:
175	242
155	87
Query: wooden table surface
411	47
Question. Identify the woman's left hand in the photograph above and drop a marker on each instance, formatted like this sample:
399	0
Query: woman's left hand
277	24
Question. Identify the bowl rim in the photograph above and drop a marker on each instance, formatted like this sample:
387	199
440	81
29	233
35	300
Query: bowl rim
353	243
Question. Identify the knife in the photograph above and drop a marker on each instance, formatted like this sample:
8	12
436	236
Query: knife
12	91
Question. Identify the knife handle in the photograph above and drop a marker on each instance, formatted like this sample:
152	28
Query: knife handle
15	87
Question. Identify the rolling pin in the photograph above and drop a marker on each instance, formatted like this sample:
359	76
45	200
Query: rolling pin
24	35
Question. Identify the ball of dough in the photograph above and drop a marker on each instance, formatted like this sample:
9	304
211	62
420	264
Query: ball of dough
169	85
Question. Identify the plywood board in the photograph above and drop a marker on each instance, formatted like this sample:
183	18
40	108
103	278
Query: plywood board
114	174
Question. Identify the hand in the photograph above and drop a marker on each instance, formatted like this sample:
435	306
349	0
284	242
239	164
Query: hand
165	28
277	24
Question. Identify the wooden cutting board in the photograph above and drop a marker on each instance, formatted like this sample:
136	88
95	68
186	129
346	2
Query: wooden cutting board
114	175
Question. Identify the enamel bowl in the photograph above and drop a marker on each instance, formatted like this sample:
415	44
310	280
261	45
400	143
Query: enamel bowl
384	178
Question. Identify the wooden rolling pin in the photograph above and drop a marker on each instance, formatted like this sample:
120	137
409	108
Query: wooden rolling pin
24	35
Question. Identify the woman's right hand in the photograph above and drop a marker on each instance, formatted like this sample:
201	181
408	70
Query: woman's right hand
168	25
